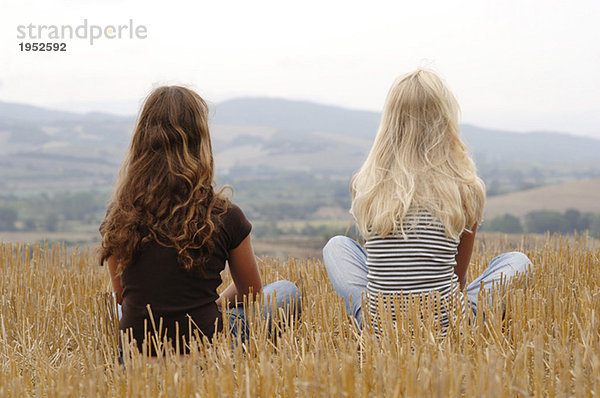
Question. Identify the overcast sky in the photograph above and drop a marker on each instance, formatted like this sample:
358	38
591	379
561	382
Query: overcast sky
516	65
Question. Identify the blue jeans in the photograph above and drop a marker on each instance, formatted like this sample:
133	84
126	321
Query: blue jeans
287	298
346	264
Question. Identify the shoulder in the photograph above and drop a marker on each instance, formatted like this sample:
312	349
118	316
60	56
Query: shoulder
233	214
235	225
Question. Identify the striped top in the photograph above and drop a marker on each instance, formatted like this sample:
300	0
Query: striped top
420	262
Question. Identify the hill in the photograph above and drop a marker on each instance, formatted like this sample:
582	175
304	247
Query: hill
261	137
307	122
582	195
297	116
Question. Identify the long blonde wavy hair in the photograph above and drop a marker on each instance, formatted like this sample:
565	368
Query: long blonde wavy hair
165	189
418	160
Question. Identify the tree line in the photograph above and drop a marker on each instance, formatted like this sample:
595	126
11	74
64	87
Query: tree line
542	221
48	212
262	201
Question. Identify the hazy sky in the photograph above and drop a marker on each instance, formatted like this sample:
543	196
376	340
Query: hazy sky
519	65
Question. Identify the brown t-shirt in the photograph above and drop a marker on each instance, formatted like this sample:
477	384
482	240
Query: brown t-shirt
178	296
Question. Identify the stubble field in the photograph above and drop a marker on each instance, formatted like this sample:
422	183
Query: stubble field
57	337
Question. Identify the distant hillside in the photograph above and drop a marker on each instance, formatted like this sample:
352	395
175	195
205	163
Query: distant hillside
488	145
298	116
498	147
31	129
582	195
31	114
258	137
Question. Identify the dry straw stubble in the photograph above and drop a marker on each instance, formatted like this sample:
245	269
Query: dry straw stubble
57	337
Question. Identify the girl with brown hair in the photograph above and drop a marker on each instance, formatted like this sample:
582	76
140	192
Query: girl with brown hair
168	233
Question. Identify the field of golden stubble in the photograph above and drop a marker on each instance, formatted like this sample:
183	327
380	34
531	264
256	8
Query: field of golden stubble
57	338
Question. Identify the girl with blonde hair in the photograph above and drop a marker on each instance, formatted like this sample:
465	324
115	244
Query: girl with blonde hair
417	201
168	233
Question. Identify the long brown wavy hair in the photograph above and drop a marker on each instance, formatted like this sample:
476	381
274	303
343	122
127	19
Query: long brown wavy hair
165	189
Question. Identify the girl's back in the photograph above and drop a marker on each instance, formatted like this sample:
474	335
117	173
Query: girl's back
421	261
184	299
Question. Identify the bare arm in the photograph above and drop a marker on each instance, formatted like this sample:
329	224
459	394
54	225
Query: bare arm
463	256
244	272
115	279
